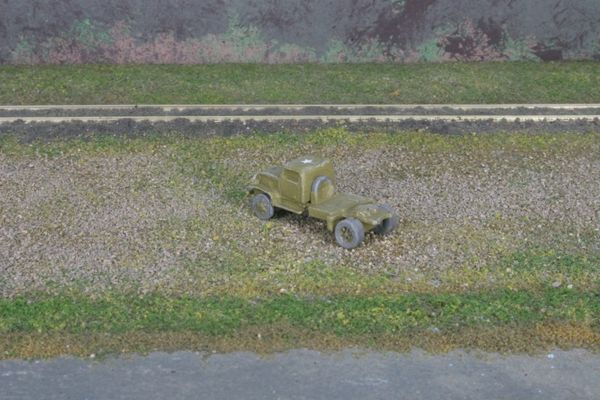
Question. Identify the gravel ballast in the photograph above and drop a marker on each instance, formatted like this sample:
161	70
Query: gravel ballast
124	128
160	216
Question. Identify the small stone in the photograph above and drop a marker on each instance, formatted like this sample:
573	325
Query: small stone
551	356
570	286
556	284
435	283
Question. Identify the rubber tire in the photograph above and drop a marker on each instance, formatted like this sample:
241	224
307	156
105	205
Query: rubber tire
263	199
389	224
355	227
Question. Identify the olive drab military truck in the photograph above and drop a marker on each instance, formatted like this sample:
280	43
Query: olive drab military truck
307	186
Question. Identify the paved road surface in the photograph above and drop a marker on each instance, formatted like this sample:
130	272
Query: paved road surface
303	374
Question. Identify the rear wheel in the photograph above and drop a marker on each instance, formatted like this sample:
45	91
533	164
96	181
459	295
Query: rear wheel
262	207
388	224
349	233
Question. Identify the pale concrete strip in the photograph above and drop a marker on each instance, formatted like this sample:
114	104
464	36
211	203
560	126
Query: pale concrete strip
275	118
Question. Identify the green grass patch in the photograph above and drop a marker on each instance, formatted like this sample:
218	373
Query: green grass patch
341	316
278	145
359	83
500	320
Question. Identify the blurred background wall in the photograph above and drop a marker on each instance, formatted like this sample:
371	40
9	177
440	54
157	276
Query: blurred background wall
296	31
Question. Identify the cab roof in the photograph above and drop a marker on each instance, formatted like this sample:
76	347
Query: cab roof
303	164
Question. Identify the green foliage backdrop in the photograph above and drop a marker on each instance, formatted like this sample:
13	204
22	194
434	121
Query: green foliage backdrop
296	31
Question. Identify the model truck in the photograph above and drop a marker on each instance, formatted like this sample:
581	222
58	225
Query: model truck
307	186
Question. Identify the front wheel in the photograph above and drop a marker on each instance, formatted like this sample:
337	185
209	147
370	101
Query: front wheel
262	207
349	233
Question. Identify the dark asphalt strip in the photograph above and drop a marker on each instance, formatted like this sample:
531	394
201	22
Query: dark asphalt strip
27	132
303	374
370	110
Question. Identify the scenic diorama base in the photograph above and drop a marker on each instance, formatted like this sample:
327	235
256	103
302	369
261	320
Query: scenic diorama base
123	243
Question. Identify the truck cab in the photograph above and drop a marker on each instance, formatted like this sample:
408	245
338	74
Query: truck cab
290	186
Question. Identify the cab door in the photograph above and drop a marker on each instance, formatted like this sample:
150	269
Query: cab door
290	187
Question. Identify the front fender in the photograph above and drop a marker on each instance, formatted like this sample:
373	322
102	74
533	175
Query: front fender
263	183
370	215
